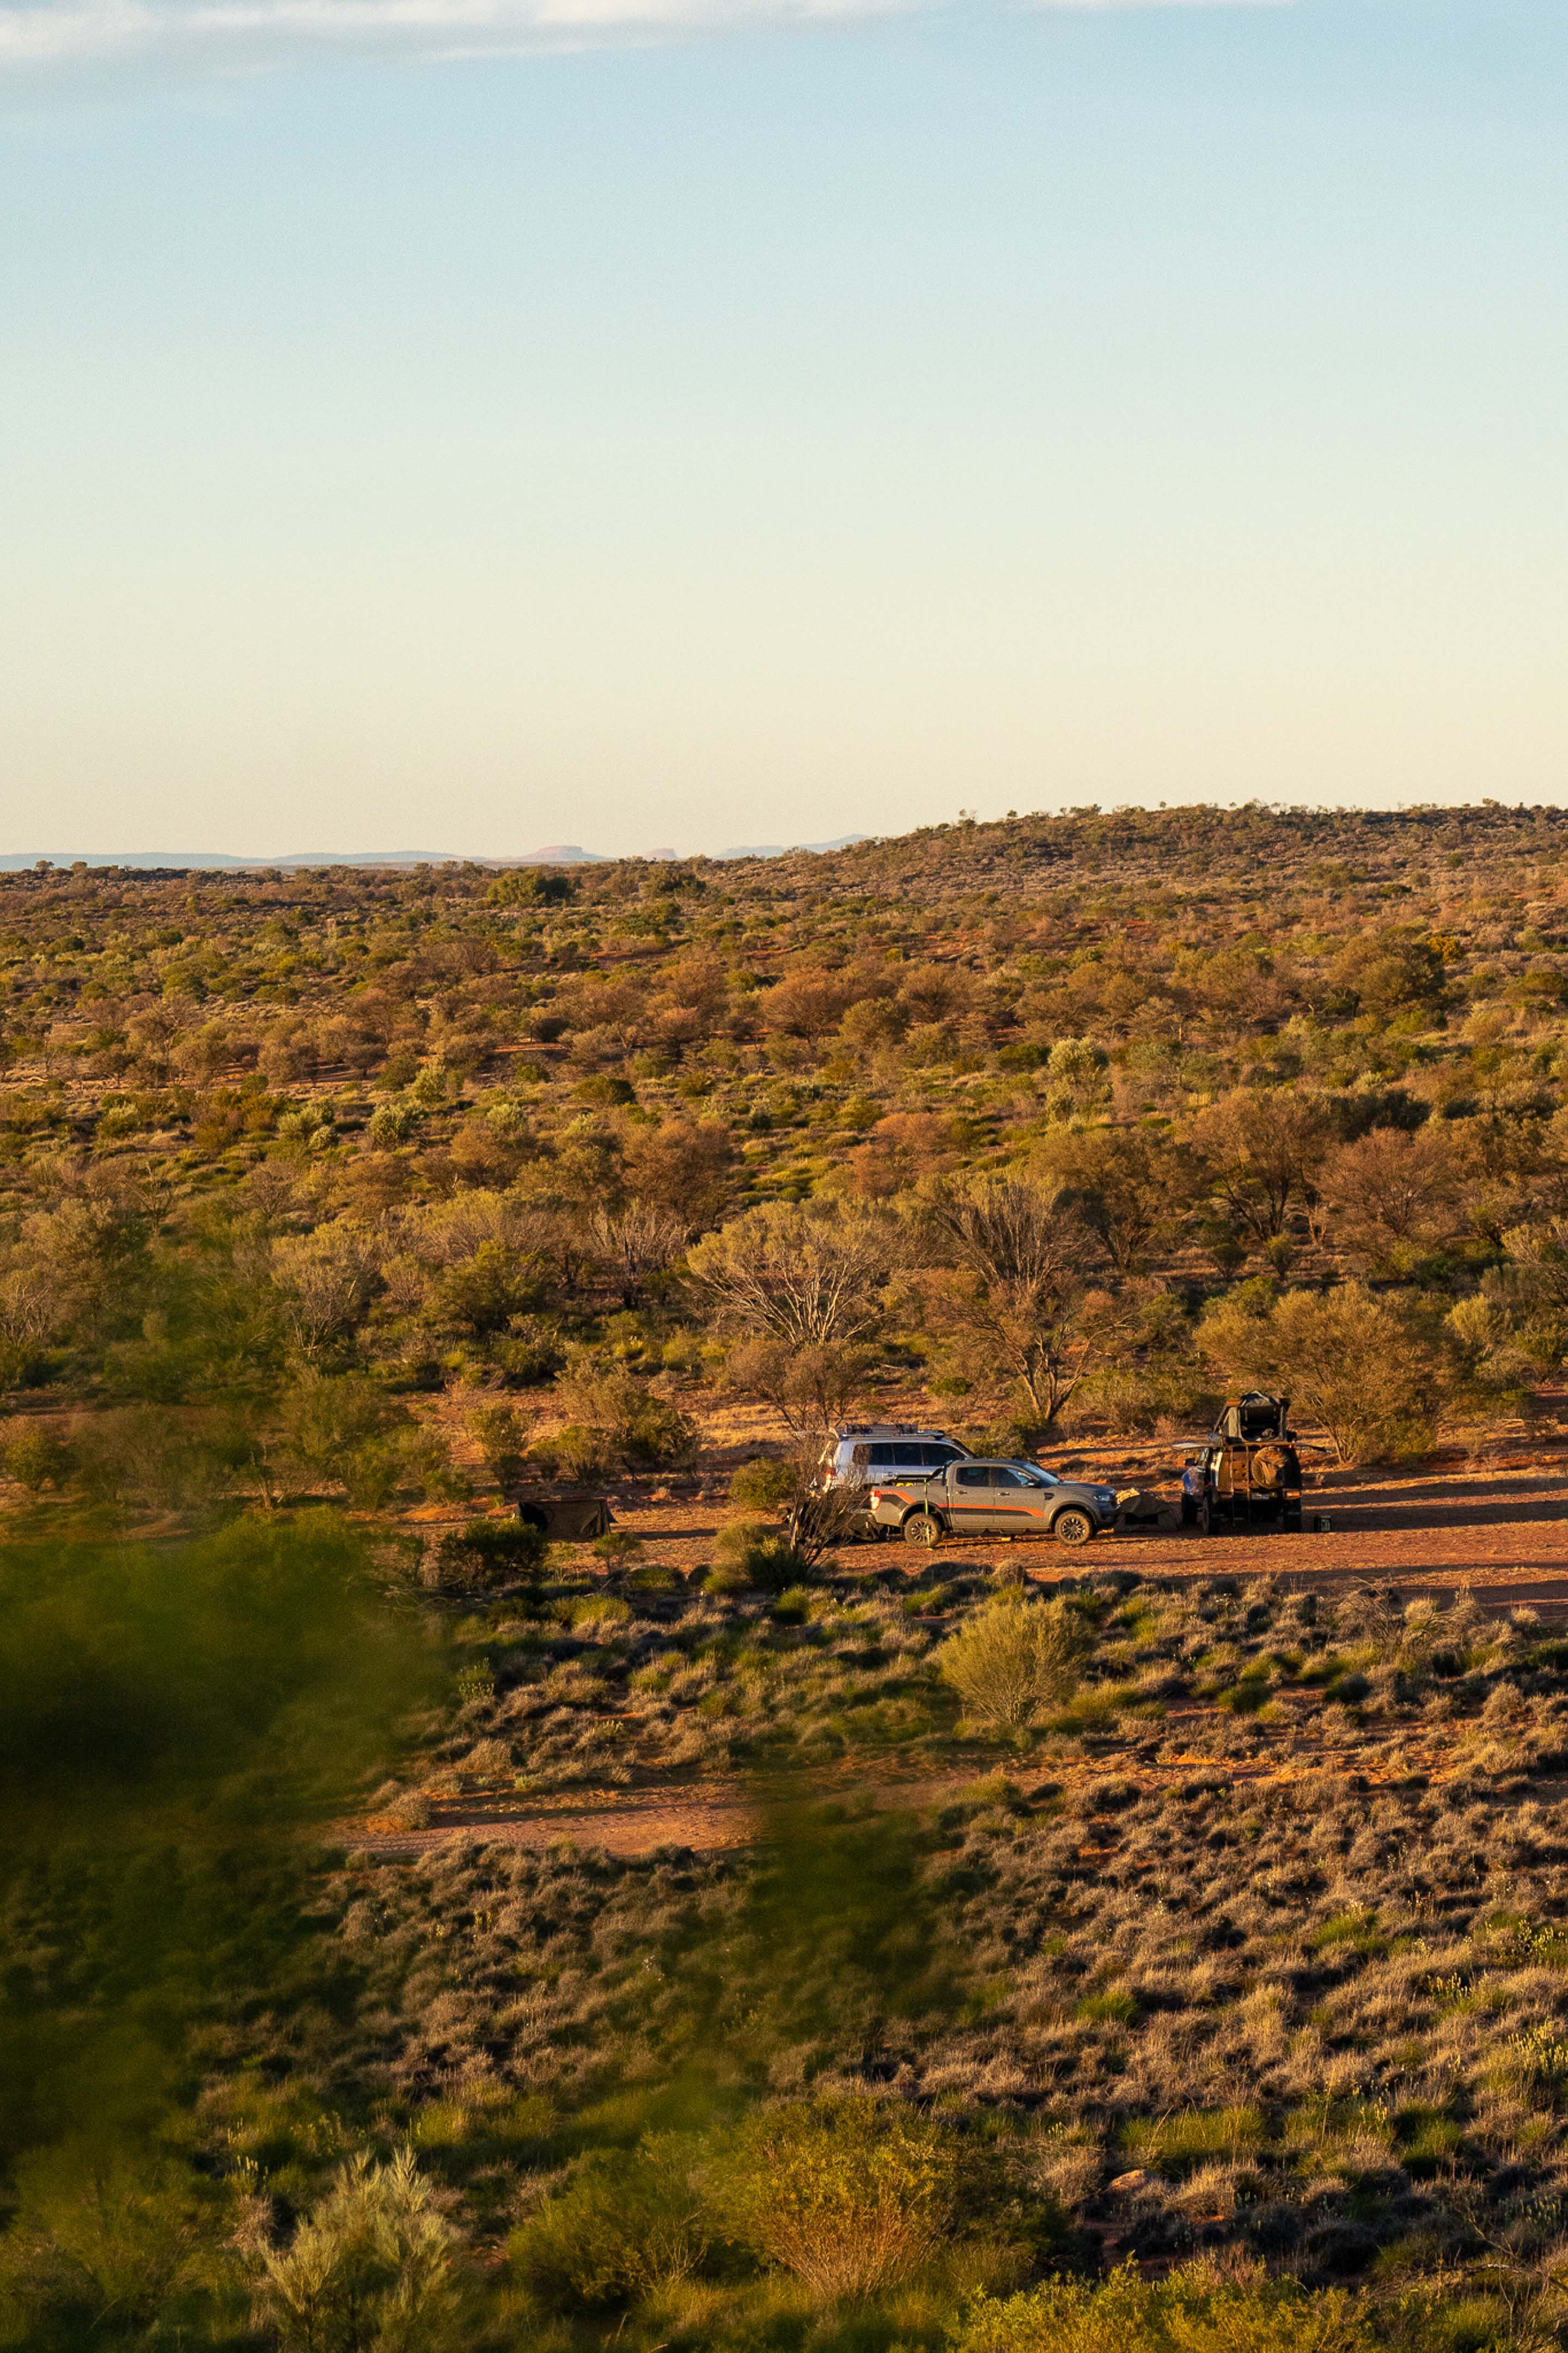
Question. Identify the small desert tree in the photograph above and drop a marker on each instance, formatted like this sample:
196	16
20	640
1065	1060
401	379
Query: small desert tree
1355	1363
811	1389
635	1241
1128	1186
1394	1195
1013	1657
1265	1147
1008	1291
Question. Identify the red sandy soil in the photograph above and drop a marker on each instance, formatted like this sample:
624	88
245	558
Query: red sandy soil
1500	1529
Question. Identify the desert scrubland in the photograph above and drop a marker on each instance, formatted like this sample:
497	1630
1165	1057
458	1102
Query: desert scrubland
420	1932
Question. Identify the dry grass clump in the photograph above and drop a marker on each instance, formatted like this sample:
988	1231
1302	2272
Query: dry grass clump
1010	1658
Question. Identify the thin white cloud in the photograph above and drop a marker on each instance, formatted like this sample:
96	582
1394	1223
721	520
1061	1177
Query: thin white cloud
53	34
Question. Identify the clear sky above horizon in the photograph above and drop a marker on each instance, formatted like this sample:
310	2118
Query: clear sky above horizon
466	425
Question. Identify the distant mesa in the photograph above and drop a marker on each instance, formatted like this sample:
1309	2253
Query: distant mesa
783	849
210	862
556	853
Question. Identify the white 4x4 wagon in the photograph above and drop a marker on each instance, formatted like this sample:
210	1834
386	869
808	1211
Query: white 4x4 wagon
863	1451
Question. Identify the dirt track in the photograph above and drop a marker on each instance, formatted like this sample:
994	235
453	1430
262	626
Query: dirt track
709	1817
1503	1532
1502	1529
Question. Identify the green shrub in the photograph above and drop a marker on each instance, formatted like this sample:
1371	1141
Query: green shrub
428	1464
615	1420
603	1087
495	1427
36	1456
323	1415
600	1609
371	2266
487	1556
391	1123
481	1294
100	2249
372	1473
1469	2324
530	886
749	1558
619	1547
850	2195
574	1452
143	1456
761	1486
528	1355
1193	2310
629	2221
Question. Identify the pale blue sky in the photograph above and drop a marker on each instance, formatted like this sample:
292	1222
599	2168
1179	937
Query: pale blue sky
761	427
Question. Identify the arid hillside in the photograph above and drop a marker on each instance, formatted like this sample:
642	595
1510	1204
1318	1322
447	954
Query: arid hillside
494	1860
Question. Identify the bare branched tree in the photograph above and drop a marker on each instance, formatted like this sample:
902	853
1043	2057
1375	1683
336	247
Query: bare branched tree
809	1277
327	1280
1393	1195
1018	1297
637	1240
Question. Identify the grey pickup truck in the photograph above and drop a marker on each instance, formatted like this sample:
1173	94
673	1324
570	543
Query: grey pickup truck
991	1499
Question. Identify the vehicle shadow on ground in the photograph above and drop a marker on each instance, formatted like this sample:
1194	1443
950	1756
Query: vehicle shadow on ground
1450	1511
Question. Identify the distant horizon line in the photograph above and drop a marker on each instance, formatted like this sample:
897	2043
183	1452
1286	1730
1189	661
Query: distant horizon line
574	854
556	853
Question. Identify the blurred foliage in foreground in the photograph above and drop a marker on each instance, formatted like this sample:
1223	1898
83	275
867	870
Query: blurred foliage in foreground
174	1722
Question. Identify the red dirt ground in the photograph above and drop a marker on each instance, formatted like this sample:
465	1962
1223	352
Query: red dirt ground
1501	1528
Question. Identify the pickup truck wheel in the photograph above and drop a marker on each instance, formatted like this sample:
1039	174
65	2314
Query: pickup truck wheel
1072	1526
922	1528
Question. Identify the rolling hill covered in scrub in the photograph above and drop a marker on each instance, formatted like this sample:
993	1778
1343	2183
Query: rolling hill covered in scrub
1170	1963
